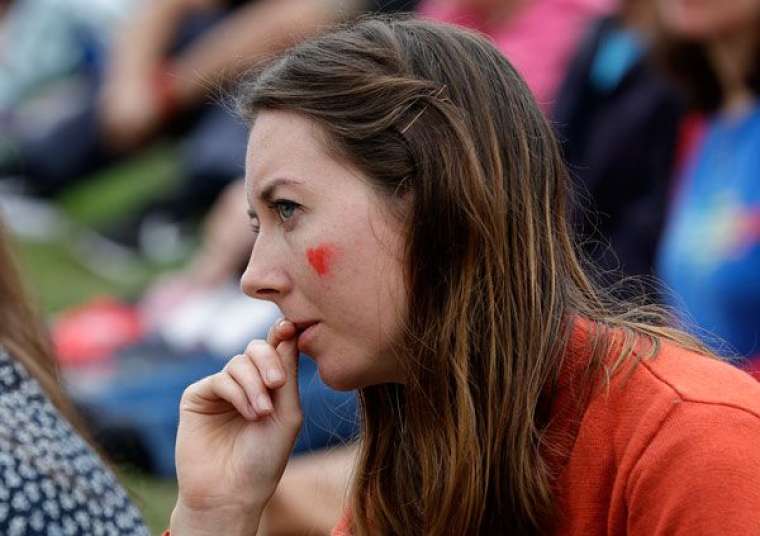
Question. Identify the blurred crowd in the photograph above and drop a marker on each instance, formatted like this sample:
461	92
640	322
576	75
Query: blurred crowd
655	104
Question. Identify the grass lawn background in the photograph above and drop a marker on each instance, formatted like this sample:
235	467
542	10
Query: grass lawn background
57	278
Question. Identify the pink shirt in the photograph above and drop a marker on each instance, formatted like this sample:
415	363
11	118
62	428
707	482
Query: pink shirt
539	39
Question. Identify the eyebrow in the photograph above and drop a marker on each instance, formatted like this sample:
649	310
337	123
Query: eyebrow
267	193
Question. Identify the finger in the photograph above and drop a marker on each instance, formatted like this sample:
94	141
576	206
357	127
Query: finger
222	386
267	361
282	330
245	373
283	338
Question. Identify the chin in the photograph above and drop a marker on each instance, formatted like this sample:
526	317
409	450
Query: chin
340	380
342	374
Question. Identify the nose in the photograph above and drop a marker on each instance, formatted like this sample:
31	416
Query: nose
264	278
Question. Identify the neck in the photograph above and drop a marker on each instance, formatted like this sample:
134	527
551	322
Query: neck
732	56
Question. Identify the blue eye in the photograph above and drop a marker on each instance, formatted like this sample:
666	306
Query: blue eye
285	209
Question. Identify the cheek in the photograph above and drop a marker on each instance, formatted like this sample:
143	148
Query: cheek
321	258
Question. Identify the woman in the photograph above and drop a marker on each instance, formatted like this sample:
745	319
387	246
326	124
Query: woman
409	204
52	481
710	252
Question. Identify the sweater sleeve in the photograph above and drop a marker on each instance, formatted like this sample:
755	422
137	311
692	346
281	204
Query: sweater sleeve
700	474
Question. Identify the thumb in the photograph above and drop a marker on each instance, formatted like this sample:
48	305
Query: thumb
283	337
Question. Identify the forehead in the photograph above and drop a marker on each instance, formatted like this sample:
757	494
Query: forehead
284	144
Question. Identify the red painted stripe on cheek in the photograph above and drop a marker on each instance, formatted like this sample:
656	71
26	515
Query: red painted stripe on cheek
320	258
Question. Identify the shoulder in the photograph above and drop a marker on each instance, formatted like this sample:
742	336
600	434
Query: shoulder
698	446
699	473
22	400
50	480
699	379
676	385
16	384
705	404
669	446
638	399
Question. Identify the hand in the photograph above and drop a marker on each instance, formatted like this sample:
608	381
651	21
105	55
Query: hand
236	431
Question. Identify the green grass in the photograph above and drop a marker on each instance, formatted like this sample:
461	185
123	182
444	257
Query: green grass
57	278
155	497
122	188
55	271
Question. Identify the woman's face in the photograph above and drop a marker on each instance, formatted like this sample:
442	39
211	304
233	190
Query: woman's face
329	252
704	20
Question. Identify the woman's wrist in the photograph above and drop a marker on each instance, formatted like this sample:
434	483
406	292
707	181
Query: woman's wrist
230	521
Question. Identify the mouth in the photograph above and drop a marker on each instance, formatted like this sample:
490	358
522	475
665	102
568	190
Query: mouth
304	325
306	331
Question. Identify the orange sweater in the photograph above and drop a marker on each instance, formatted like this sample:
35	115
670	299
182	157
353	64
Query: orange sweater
673	448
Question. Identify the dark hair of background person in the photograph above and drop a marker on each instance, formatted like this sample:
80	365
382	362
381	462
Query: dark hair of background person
23	334
439	121
688	64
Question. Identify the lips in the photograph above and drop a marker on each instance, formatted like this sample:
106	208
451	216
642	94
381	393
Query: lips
306	333
304	325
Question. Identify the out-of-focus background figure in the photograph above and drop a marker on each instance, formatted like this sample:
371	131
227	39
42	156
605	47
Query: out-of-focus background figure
618	119
121	164
709	257
162	71
538	36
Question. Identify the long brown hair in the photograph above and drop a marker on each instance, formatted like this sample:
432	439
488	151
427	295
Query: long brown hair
493	277
23	334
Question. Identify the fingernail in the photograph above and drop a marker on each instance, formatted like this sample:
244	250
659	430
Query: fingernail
262	401
282	323
274	376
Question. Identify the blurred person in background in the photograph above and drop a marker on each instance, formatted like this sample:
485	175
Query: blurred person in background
537	36
43	41
165	65
48	51
709	257
618	120
225	242
52	481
